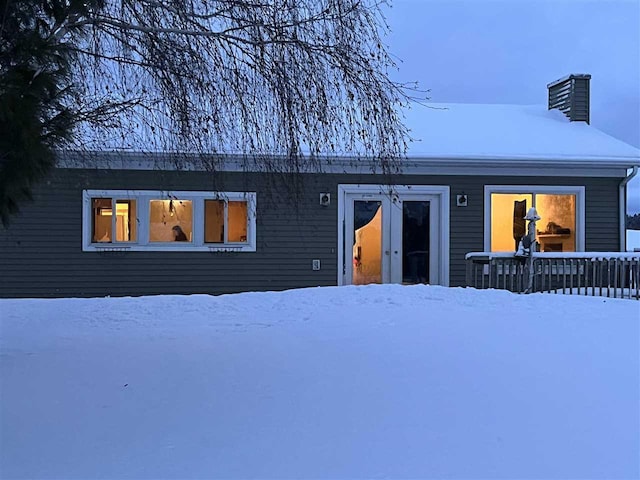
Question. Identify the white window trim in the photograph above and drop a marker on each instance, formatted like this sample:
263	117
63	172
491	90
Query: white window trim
578	191
143	197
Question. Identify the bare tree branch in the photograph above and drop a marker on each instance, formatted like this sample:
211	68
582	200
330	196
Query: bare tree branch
296	78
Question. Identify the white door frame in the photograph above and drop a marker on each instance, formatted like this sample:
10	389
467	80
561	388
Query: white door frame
396	234
440	191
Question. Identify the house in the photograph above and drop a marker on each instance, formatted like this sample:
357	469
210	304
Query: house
124	223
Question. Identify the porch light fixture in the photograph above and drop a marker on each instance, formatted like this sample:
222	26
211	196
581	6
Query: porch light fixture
325	199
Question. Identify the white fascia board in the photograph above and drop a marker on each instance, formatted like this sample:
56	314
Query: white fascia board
413	165
529	160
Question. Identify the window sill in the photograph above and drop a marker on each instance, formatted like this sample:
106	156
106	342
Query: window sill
169	248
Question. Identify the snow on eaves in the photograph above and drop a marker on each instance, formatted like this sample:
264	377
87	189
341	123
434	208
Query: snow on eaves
448	135
509	132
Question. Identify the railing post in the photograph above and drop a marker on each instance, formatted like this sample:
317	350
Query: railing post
532	217
636	279
571	277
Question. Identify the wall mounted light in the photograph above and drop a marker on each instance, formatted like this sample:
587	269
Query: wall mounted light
462	200
325	199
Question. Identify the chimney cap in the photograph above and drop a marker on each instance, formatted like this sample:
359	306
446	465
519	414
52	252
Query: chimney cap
584	76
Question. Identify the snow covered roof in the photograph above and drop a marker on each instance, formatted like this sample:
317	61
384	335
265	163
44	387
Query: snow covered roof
447	138
481	131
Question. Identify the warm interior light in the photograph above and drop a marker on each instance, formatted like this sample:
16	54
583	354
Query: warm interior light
367	251
121	209
503	221
165	214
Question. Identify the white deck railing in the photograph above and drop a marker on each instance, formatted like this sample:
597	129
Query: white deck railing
609	274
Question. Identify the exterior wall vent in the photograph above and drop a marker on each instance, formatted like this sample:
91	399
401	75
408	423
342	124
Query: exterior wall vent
570	95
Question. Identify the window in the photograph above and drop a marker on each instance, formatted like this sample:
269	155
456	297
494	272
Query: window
237	215
171	220
155	220
110	215
560	228
214	220
225	221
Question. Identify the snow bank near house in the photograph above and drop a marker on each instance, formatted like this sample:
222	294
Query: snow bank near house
375	382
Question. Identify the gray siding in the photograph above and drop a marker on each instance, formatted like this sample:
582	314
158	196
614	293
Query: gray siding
41	252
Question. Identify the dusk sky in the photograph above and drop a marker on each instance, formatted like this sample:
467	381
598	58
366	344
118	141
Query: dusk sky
507	51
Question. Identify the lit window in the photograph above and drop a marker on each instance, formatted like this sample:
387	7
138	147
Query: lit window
214	221
102	223
104	218
556	229
559	228
237	222
126	221
156	221
170	220
507	220
220	214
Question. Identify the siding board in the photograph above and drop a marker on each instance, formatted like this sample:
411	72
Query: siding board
41	252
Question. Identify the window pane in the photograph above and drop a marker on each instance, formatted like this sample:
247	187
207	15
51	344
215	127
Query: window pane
214	221
101	220
237	222
415	242
170	221
367	242
126	221
556	229
507	220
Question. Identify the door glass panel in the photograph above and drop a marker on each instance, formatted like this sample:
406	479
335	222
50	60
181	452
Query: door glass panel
415	242
367	242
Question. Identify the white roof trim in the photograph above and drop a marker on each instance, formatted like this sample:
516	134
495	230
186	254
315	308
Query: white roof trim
412	166
593	160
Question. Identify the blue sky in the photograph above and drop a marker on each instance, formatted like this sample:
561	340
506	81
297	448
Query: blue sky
506	51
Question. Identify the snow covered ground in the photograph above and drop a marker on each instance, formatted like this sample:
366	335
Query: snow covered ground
345	382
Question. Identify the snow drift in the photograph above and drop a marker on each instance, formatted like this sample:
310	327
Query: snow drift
375	382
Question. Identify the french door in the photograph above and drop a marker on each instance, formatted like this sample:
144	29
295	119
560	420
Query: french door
390	235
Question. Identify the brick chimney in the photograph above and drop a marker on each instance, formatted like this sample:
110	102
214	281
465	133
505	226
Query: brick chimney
570	95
